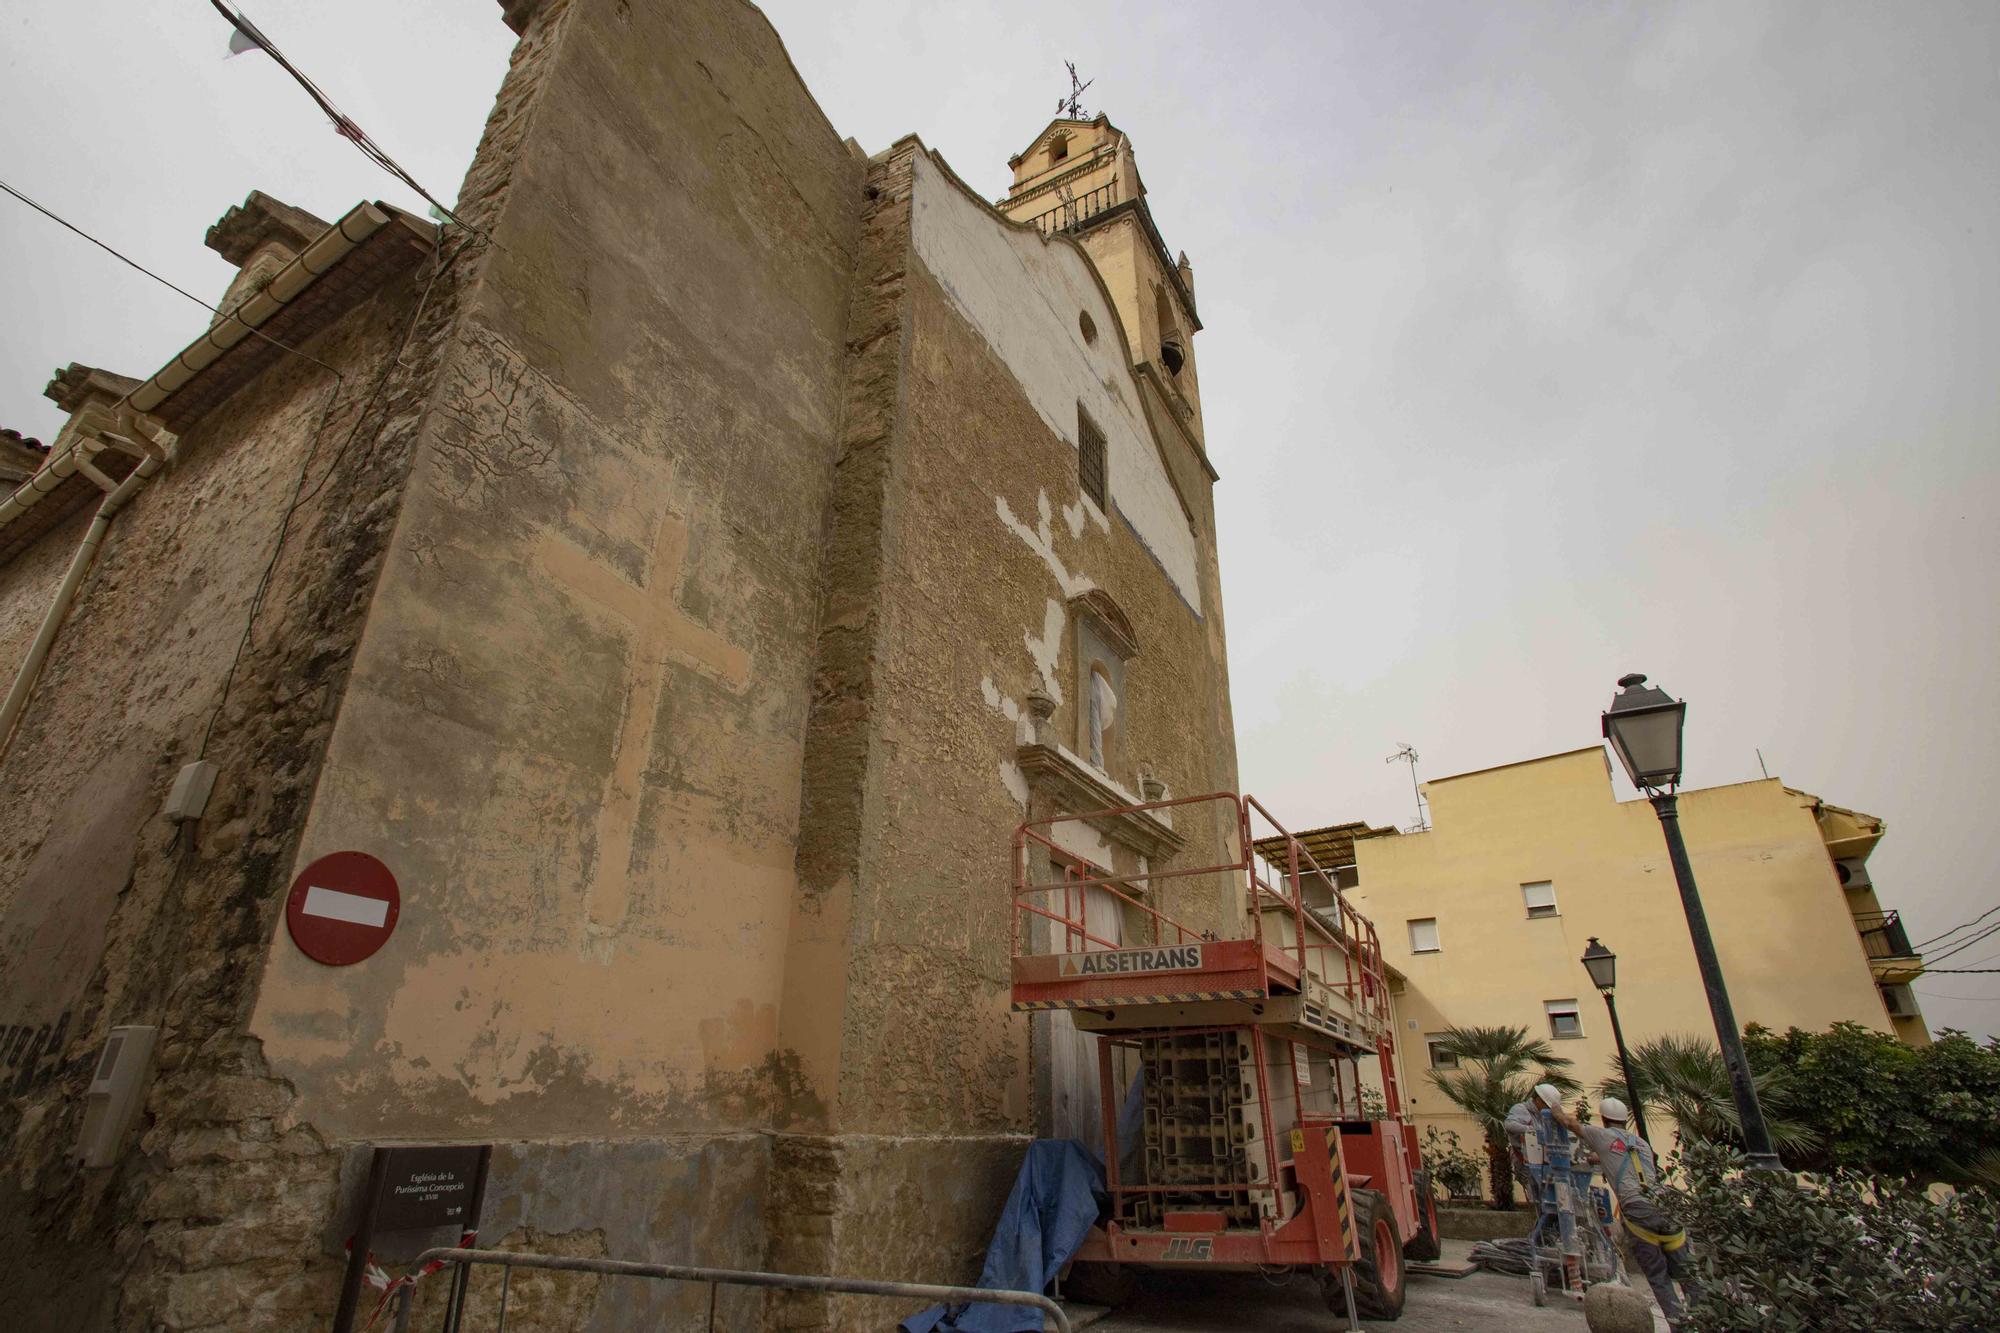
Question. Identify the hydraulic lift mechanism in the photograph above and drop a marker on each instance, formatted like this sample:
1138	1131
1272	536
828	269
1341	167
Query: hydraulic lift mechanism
1232	1008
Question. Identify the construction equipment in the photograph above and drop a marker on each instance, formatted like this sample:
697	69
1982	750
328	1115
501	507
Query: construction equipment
1571	1247
1234	1028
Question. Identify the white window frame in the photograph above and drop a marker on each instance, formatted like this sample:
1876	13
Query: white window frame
1540	911
1437	939
1563	1009
1431	1040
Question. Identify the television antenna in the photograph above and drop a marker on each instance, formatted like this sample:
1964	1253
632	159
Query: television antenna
1405	755
1069	105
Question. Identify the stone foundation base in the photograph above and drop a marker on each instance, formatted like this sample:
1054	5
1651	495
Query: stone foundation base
907	1209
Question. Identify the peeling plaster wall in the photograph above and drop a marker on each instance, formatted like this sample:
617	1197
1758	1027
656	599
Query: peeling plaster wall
976	534
575	722
1024	293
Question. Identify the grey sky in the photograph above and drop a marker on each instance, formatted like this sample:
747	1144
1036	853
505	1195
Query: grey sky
1544	342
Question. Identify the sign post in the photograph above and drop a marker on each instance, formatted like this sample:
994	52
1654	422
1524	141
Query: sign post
416	1189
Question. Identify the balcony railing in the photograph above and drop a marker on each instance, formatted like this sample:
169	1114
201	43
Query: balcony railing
1077	209
1883	936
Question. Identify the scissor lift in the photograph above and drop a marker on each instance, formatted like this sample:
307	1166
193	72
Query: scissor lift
1257	1147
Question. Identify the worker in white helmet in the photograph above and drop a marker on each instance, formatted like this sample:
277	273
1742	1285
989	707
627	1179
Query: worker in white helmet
1658	1244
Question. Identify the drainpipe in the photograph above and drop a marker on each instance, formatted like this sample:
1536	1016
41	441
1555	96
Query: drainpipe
117	494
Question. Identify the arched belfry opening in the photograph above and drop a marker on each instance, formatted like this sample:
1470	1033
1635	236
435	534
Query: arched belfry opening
1079	178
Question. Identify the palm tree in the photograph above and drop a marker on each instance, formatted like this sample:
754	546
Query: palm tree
1496	1068
1684	1077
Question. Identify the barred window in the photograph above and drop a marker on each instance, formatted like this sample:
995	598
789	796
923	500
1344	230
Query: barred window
1090	460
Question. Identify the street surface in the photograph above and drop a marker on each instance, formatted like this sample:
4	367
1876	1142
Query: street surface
1242	1303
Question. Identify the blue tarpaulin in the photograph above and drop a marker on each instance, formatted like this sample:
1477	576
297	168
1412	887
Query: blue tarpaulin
1056	1200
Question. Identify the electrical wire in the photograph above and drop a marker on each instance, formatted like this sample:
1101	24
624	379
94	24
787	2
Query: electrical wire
343	124
122	258
301	496
1961	926
1960	946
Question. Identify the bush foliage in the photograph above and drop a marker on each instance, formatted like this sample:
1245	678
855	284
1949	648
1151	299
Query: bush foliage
1455	1170
1877	1105
1842	1254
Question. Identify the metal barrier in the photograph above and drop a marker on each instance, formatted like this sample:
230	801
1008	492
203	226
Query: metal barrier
509	1260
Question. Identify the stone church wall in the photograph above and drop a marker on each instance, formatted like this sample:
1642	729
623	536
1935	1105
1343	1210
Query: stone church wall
668	633
574	724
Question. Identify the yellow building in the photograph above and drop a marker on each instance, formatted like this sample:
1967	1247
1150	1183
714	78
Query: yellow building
1487	913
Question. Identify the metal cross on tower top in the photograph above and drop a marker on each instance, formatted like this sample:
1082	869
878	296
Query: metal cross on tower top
1069	105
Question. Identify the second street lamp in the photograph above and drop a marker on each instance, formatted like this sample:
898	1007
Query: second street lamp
1602	964
1644	727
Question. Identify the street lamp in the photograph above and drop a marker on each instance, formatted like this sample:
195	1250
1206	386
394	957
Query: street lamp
1602	964
1644	727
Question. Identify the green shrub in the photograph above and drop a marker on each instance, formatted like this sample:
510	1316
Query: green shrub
1842	1254
1875	1104
1455	1170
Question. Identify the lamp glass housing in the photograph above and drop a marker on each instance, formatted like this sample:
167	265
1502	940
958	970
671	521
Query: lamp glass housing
1644	727
1602	964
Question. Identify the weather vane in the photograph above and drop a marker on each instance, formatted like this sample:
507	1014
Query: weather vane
1069	105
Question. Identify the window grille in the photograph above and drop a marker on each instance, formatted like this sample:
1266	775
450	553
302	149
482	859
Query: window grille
1091	469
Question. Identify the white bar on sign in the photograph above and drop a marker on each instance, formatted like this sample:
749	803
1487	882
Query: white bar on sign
346	907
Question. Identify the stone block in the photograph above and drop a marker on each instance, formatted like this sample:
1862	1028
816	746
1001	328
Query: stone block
1611	1308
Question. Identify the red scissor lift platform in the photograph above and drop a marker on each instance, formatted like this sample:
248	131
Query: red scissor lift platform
1261	1144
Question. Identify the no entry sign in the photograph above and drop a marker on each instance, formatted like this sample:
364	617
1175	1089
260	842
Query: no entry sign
342	908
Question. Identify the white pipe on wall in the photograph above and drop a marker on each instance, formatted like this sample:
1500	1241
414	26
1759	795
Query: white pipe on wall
79	565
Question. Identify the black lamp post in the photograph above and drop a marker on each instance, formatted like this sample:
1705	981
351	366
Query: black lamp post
1602	964
1644	727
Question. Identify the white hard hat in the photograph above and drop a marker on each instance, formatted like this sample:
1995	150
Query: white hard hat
1548	1093
1613	1109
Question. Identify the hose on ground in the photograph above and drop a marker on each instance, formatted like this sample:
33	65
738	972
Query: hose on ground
1513	1255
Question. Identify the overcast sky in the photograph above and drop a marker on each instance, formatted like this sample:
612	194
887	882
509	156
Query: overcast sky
1543	342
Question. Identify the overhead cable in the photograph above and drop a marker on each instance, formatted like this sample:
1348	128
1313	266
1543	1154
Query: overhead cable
1960	946
343	124
114	253
1961	926
122	258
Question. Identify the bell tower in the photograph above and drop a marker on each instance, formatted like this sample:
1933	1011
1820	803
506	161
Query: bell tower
1080	178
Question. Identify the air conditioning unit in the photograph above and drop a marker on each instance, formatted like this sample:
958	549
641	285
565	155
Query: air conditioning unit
1899	1002
1853	874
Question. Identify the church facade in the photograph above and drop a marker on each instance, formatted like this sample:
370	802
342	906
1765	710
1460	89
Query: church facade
681	580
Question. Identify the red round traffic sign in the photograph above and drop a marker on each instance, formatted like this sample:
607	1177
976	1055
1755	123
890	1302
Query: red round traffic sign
342	908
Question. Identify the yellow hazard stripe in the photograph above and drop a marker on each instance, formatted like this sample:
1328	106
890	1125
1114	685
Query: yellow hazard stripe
1668	1243
1343	1207
1107	1001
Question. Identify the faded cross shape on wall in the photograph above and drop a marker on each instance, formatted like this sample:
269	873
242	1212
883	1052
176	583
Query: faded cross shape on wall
656	631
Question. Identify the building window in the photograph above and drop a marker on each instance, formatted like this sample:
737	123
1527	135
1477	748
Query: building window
1564	1021
1441	1058
1540	897
1059	148
1091	470
1424	935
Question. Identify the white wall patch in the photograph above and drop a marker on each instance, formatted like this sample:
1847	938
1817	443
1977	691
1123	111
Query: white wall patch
987	268
1015	781
1048	649
1041	540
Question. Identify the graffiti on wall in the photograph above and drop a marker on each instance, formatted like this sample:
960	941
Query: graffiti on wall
29	1055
